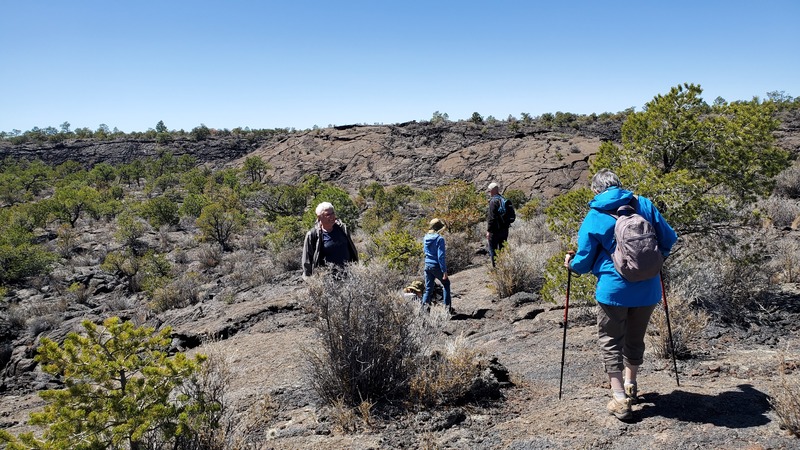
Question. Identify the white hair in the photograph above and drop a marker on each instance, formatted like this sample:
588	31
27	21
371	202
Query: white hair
324	206
605	179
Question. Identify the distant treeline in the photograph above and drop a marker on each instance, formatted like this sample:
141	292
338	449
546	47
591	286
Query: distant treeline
162	134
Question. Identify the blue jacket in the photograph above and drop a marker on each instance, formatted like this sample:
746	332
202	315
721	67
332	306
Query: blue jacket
435	252
596	243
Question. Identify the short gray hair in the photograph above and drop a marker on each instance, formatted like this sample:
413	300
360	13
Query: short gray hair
324	206
605	179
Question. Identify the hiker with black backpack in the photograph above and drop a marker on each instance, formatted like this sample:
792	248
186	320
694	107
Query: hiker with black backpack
623	241
499	218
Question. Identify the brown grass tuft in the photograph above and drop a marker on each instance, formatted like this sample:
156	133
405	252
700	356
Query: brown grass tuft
447	375
786	397
687	324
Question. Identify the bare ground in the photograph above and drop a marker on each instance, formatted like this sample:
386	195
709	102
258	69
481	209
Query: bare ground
721	403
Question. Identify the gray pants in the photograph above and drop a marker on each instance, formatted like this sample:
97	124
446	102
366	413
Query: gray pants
620	332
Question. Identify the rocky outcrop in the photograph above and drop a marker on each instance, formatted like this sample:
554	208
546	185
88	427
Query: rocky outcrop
531	157
534	160
90	152
537	159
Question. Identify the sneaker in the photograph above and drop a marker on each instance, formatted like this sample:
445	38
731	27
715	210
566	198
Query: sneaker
621	409
632	393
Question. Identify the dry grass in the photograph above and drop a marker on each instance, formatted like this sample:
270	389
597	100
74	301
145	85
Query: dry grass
460	251
786	396
209	255
213	428
785	263
178	293
290	260
787	183
780	211
343	416
37	318
520	268
242	273
725	281
687	323
447	375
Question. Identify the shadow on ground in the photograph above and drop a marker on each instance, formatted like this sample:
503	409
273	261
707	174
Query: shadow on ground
744	408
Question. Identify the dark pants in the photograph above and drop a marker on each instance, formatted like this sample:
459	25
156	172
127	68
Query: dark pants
496	242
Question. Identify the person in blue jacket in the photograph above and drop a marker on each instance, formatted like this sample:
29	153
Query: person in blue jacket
435	265
624	307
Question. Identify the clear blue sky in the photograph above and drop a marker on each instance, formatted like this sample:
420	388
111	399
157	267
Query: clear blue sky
295	63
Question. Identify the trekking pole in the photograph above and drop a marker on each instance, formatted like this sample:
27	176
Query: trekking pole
669	330
564	341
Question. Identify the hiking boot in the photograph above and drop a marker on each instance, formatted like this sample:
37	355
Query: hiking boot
632	393
621	409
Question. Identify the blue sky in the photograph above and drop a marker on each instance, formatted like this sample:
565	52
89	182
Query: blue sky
264	64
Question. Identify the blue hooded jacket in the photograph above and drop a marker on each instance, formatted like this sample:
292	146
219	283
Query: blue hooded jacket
435	252
596	243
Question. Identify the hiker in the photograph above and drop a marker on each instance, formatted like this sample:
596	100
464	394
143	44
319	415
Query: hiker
496	227
435	265
328	243
624	307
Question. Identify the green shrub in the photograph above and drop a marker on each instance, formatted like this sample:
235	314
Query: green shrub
154	272
219	224
400	250
193	205
582	287
72	202
129	230
532	208
516	197
19	257
346	209
458	203
287	232
160	211
279	200
124	264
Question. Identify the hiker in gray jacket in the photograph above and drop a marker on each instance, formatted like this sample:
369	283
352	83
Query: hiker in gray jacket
328	243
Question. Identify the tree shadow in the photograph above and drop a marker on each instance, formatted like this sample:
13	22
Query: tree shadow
744	408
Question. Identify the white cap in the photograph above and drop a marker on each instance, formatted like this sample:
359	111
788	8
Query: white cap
493	185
